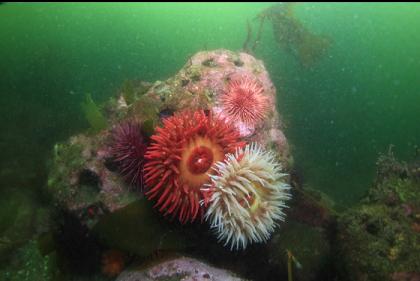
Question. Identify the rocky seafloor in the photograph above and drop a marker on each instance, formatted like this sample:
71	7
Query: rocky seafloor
101	227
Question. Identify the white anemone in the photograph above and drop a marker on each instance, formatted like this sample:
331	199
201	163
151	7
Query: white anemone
248	194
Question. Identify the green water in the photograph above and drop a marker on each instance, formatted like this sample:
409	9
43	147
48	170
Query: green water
356	101
359	99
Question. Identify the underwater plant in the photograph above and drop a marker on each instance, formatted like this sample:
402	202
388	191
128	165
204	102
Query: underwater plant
93	115
291	34
128	91
291	259
133	89
179	161
128	149
247	197
243	100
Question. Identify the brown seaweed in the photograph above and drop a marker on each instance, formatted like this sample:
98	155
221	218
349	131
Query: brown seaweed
290	34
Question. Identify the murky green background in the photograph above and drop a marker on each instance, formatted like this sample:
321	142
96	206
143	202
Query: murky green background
360	98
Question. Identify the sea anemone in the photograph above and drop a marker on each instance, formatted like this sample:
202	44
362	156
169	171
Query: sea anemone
248	194
179	161
244	101
128	149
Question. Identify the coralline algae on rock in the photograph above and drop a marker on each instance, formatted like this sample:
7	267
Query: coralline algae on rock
83	178
183	268
379	239
83	181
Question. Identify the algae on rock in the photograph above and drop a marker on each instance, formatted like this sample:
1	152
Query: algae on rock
379	238
28	264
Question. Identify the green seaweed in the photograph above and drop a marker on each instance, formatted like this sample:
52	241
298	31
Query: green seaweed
128	91
132	90
93	115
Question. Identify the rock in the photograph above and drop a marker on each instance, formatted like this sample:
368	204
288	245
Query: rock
311	207
27	264
19	219
309	245
83	182
139	230
83	178
406	276
182	268
378	238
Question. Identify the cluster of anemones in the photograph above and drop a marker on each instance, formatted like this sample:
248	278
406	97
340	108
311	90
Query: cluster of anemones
197	167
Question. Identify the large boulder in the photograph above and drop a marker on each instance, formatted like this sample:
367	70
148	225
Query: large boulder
84	179
181	268
379	239
86	184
